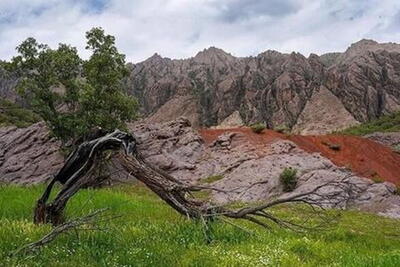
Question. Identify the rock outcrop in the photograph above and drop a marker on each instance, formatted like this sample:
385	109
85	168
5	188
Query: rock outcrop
8	82
310	95
391	139
28	155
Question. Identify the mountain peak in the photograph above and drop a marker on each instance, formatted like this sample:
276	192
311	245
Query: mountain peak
212	51
365	42
213	54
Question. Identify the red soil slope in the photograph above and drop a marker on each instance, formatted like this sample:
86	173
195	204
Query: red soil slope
363	156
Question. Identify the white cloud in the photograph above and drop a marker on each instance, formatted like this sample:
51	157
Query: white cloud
180	28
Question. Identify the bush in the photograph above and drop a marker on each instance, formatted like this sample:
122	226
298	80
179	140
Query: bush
258	127
212	178
282	129
396	149
288	179
397	191
377	179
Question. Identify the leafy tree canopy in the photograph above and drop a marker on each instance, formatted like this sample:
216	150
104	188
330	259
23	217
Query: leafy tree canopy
74	95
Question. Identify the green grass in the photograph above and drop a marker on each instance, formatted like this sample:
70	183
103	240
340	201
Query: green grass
212	178
150	233
388	123
12	114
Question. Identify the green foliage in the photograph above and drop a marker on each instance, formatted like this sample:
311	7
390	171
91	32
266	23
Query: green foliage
397	191
396	149
282	129
388	123
377	179
212	178
12	114
73	95
150	233
258	127
288	179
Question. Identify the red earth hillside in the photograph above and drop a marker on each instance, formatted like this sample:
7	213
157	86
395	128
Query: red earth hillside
363	156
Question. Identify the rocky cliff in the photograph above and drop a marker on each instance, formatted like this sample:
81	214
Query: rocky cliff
310	95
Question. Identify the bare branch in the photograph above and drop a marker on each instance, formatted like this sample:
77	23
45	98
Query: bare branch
90	219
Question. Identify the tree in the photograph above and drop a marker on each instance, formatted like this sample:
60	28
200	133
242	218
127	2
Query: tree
79	172
72	95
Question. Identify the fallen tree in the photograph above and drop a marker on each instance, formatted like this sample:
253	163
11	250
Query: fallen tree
80	171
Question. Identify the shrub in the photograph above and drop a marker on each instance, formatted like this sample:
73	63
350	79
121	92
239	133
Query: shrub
335	147
397	191
212	178
396	149
258	127
282	129
288	179
377	179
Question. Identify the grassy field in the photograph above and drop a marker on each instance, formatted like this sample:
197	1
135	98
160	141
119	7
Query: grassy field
149	233
388	123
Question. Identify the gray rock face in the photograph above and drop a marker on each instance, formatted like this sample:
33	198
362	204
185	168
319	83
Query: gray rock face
388	139
367	78
173	146
279	89
28	155
245	171
8	82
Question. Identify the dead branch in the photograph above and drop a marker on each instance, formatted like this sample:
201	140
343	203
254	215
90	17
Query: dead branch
90	220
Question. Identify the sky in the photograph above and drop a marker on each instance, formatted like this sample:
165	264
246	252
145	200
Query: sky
181	28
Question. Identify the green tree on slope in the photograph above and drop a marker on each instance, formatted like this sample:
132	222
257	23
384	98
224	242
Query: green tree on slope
74	95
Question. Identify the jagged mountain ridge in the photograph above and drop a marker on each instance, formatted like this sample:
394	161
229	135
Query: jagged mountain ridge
310	95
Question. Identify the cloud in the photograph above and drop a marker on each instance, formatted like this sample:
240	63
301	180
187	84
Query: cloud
237	10
181	28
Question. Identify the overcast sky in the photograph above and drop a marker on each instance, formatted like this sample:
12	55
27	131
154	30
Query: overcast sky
181	28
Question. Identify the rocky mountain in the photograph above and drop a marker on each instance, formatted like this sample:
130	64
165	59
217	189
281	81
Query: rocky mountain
310	95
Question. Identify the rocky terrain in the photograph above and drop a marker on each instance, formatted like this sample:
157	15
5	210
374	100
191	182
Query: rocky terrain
28	155
390	139
311	95
246	166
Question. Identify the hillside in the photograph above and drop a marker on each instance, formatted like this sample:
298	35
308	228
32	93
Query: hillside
310	95
150	233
